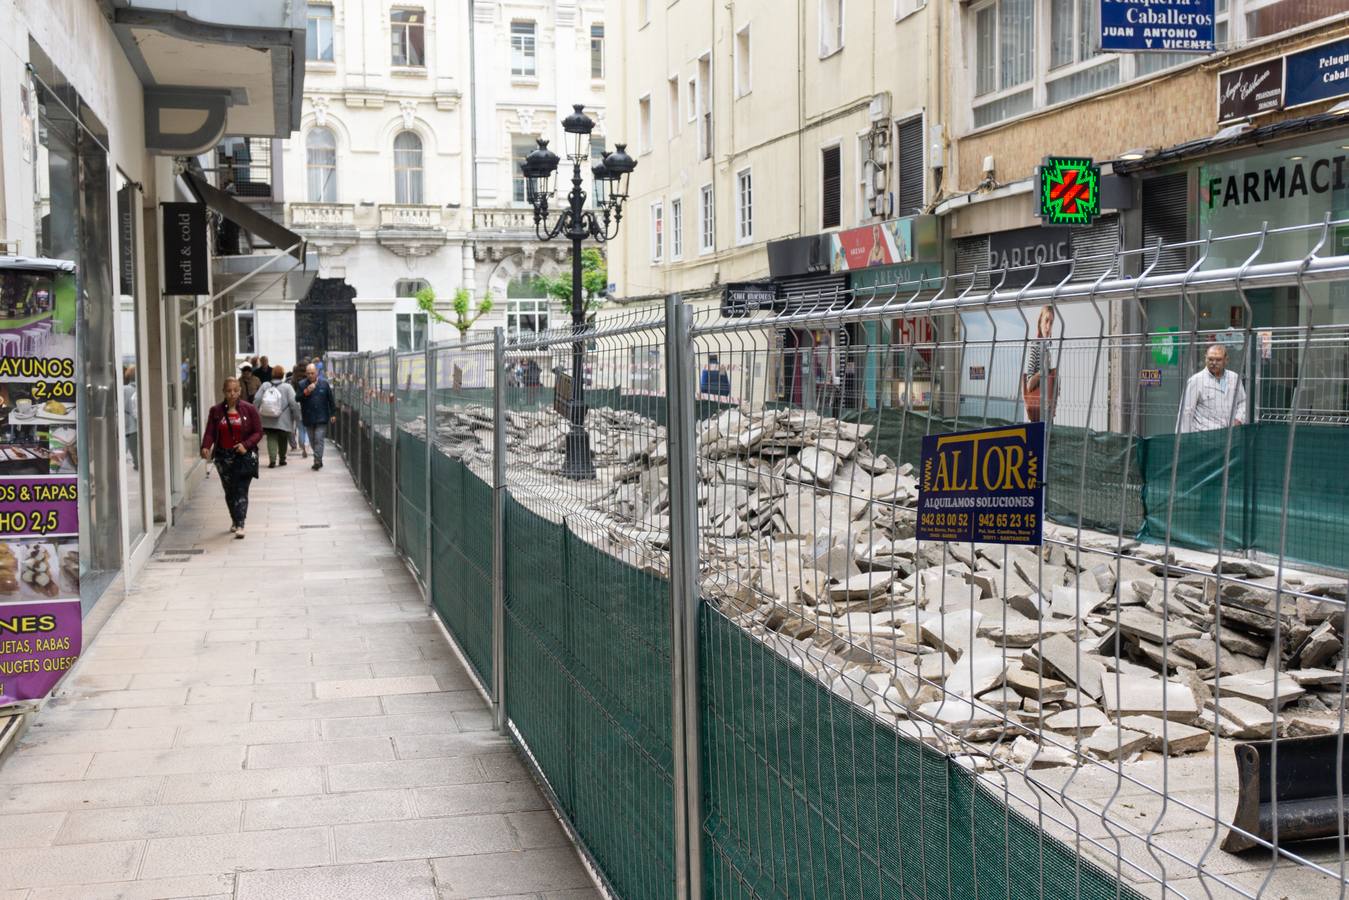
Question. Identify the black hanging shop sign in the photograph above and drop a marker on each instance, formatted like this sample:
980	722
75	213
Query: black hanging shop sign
185	248
1250	90
739	300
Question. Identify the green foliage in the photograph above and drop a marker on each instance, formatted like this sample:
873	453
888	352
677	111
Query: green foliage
594	280
464	316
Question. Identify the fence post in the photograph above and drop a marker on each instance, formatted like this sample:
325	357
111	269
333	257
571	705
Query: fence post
499	528
393	446
680	382
429	375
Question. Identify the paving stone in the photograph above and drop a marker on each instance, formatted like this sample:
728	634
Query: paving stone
23	798
1137	695
1082	721
204	887
327	809
1147	626
75	864
29	829
319	753
405	773
167	762
1252	721
423	838
393	880
170	820
247	784
1171	738
1112	743
241	852
1263	687
376	687
503	874
1065	660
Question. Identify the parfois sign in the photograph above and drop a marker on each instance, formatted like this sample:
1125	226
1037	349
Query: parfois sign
983	486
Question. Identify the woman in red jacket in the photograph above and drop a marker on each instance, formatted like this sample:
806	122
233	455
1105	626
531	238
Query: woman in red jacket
233	429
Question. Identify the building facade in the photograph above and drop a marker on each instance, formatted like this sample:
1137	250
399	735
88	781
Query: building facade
404	173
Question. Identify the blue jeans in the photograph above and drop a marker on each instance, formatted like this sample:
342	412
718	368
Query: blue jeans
316	434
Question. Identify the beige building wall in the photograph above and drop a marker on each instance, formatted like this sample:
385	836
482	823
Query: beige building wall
772	116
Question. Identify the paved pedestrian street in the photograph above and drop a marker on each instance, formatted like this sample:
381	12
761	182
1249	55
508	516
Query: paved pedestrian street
275	717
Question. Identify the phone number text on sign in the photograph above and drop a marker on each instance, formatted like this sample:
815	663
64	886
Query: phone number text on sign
983	486
39	506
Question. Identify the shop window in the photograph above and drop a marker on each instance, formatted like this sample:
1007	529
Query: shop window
831	187
319	33
321	165
523	50
129	340
597	51
909	147
411	331
407	168
408	37
707	216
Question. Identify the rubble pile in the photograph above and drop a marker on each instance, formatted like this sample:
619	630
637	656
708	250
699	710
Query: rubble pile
1028	657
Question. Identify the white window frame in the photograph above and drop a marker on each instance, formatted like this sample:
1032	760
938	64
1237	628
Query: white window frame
239	316
412	317
705	98
906	8
646	128
600	39
830	31
310	167
657	231
744	62
394	27
693	99
744	206
672	95
409	180
315	30
529	57
676	228
407	288
707	220
517	307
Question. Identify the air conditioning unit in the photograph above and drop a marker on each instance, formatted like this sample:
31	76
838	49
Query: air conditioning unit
880	107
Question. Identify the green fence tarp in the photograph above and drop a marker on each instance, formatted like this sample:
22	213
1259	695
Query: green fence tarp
412	500
1254	466
461	546
807	796
588	688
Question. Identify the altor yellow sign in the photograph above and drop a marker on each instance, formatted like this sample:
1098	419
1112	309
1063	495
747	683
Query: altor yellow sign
984	486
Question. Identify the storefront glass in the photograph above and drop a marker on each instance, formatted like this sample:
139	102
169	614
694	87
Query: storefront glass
73	209
129	358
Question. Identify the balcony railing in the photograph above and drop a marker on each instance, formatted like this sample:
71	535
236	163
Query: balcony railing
505	219
408	215
322	215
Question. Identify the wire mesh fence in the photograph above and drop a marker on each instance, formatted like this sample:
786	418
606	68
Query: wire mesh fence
700	602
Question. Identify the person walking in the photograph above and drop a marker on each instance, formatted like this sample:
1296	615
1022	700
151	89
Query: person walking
317	410
131	415
280	412
233	430
299	438
248	382
1214	396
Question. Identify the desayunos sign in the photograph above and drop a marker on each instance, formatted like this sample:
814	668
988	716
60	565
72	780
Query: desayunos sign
1169	26
984	486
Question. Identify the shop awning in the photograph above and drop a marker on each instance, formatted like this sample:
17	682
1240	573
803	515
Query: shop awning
245	216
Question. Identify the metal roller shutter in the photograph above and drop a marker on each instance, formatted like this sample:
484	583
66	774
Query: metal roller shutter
910	145
1166	215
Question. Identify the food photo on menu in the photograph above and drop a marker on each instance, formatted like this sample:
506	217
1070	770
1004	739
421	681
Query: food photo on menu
39	570
64	455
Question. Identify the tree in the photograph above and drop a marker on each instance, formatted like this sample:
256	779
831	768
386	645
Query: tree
463	319
594	281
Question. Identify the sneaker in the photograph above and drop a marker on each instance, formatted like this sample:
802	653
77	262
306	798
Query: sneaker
239	535
304	454
272	464
316	466
233	528
283	462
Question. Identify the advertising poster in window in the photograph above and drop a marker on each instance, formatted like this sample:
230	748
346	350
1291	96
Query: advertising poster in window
40	623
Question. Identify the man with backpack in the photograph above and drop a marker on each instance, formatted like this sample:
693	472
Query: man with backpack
280	412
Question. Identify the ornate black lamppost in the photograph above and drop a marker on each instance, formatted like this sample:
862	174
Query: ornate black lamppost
576	223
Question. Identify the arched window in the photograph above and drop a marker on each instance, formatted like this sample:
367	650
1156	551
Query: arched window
407	168
321	165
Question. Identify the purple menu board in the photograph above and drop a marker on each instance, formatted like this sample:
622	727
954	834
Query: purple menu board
40	621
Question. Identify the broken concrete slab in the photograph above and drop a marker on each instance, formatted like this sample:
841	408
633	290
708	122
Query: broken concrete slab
1170	738
1131	695
1113	743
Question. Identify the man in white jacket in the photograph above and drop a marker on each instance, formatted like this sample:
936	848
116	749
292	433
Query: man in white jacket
1214	398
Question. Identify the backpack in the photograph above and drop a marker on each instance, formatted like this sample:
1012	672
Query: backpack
271	402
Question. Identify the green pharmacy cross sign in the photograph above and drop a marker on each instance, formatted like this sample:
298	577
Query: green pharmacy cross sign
1068	191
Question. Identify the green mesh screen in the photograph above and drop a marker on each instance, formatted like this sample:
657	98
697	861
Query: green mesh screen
461	546
806	796
382	477
588	683
1318	532
412	499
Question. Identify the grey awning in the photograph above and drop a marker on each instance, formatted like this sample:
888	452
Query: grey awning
246	217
